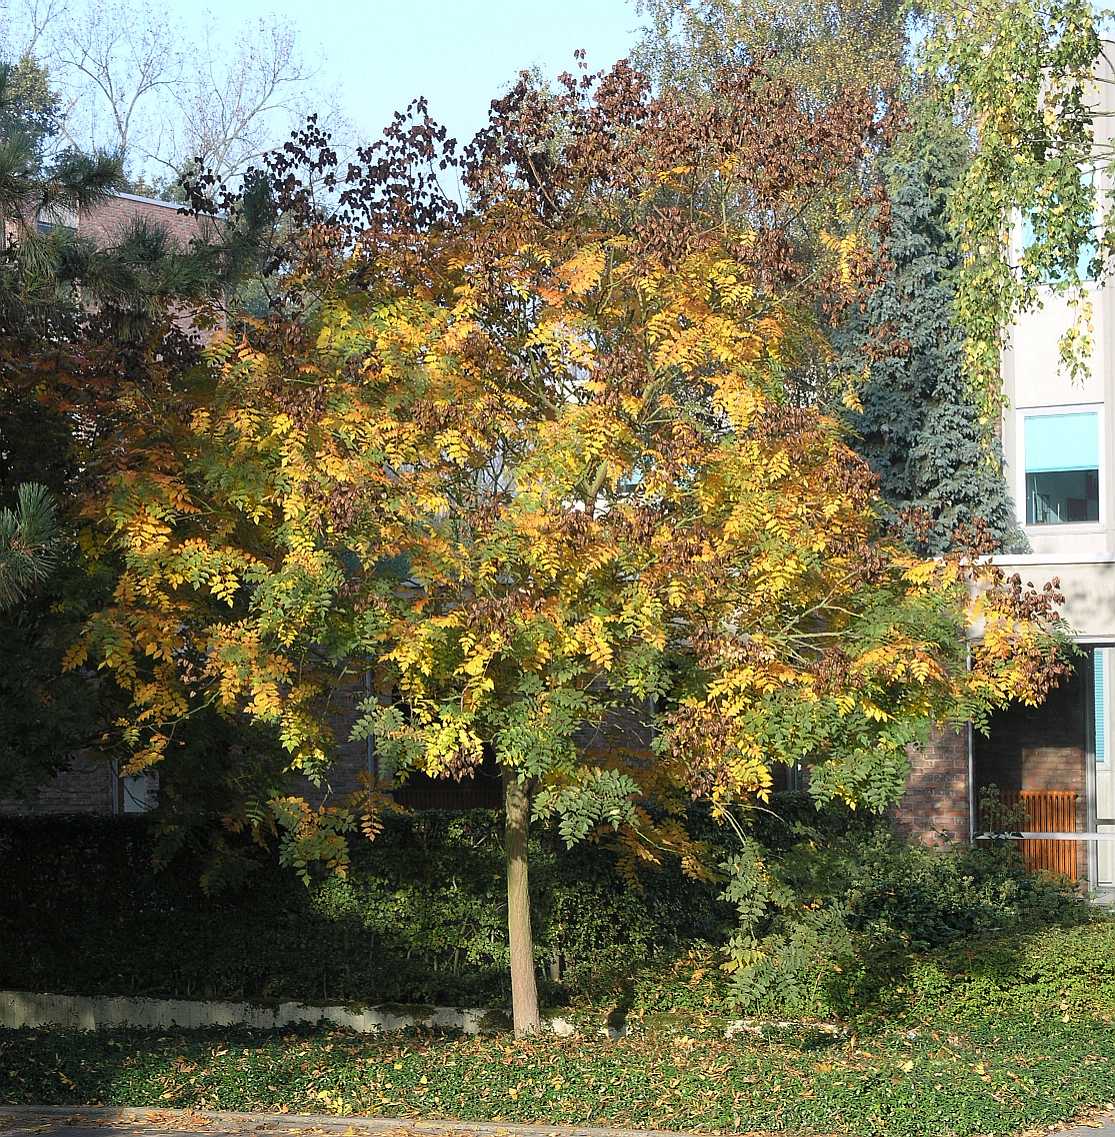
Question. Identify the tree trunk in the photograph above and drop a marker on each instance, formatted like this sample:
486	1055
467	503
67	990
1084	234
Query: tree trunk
524	987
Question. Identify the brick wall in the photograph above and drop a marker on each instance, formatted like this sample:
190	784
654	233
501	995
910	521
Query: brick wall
89	785
935	808
1027	748
107	222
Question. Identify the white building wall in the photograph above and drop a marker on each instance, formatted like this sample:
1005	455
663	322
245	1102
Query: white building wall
1081	554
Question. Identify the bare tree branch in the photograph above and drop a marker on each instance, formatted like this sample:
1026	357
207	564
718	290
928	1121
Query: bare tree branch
113	59
131	81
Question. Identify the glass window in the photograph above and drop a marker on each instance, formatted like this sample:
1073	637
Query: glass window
1100	691
140	792
56	219
1062	468
1085	257
1086	254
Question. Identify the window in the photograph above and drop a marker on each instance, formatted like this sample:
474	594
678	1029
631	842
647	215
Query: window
1088	251
1100	693
139	792
1062	468
56	219
1085	257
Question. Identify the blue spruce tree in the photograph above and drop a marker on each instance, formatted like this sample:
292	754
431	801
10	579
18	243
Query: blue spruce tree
920	429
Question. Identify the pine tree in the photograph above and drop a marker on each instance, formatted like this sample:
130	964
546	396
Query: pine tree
82	328
27	537
920	426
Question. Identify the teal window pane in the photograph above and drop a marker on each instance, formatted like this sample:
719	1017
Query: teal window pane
1062	497
1084	257
1062	442
1101	704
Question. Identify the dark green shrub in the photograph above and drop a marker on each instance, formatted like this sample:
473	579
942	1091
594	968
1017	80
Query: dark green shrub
925	898
1064	971
856	910
421	917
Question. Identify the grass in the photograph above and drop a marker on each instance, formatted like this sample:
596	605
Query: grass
997	1079
1005	1036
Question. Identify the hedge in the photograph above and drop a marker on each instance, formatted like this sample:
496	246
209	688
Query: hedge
421	918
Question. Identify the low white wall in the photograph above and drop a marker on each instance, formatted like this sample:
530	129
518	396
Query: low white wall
79	1012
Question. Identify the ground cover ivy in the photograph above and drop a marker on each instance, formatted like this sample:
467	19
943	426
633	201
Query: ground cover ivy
995	1037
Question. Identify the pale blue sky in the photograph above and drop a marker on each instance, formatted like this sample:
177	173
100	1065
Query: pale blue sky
459	53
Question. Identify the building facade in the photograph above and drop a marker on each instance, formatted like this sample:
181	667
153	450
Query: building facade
1052	767
108	221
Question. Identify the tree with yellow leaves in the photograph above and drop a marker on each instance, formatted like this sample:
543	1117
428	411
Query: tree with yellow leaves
530	458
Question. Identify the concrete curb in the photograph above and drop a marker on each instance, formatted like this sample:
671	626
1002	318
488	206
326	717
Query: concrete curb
55	1120
280	1123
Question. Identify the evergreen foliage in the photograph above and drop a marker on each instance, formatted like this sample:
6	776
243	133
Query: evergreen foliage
920	423
27	537
28	105
83	324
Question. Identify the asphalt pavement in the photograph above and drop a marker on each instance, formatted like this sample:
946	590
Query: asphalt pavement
104	1121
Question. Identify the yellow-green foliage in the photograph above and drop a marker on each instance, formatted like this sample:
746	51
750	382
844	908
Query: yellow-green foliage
532	463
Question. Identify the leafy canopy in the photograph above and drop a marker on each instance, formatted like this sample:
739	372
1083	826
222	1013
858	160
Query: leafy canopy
532	460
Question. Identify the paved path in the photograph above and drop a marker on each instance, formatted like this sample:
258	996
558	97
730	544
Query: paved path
112	1121
99	1121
